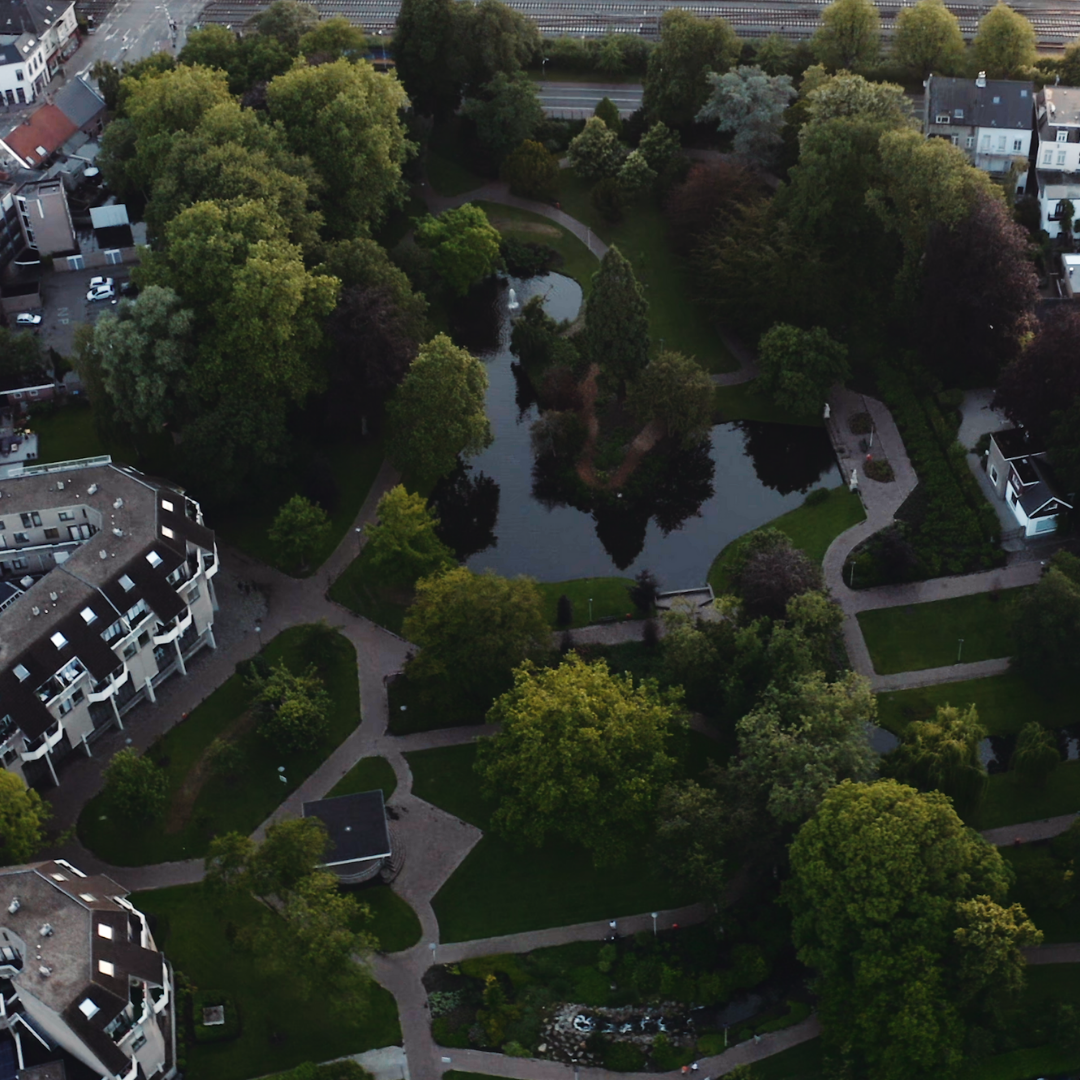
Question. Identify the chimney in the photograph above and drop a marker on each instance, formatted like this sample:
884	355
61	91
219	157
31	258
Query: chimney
981	80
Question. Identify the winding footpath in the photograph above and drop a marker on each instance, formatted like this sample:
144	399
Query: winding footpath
437	842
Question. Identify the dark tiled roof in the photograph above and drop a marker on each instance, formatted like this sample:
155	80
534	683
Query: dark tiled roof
1043	491
29	16
79	102
356	825
1016	443
1000	104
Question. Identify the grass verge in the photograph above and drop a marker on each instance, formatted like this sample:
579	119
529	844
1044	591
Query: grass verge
501	888
366	775
742	402
392	921
608	595
810	528
919	636
674	318
1010	801
361	590
278	1029
1004	704
203	805
578	261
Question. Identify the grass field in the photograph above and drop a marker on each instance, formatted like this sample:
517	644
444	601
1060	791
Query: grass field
449	177
1004	704
578	261
674	317
1009	800
393	922
608	595
361	589
278	1029
502	888
811	529
928	635
202	804
366	775
742	402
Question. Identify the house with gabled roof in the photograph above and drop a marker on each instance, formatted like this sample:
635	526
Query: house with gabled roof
1017	467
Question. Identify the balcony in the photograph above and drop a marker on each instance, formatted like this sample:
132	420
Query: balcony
171	630
105	689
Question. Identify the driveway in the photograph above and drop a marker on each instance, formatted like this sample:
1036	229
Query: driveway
64	296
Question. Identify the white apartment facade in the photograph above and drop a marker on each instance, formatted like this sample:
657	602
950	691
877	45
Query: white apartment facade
36	36
1057	154
106	590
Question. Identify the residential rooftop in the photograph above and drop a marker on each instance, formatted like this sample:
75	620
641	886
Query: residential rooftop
1002	103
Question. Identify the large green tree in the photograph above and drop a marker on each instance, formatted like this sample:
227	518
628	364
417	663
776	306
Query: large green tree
298	531
676	85
849	35
582	755
1046	628
616	336
928	39
473	630
135	785
426	57
532	171
1004	46
595	153
287	21
494	39
506	112
292	709
749	104
336	38
438	411
897	906
464	245
800	367
676	392
1036	755
23	814
402	541
146	349
346	118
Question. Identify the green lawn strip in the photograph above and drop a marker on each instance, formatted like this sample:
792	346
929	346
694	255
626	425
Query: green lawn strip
278	1029
354	469
743	402
393	921
224	804
1010	801
444	777
1004	704
448	177
366	775
578	261
811	529
410	712
608	594
1058	924
802	1062
360	588
927	635
674	317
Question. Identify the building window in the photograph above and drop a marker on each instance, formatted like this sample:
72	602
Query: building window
144	639
135	613
1061	157
1062	135
153	558
958	113
105	931
75	262
1001	143
20	564
1018	145
58	640
104	966
969	141
67	515
126	583
167	532
22	538
955	140
31	519
77	697
88	1008
88	615
166	505
52	534
942	118
193	595
19	74
1048	156
986	142
993	474
21	673
130	649
113	631
66	706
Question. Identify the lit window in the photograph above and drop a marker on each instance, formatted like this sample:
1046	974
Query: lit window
88	615
58	640
168	533
126	583
166	505
21	673
58	877
106	968
88	1008
88	897
153	558
104	930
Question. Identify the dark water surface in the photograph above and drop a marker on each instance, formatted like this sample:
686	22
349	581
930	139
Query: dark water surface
751	473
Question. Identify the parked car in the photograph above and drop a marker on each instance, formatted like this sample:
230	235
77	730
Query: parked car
96	281
101	292
25	318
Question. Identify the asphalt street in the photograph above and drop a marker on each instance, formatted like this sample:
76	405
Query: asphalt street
133	29
571	101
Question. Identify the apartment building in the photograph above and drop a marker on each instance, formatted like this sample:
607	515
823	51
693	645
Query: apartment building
84	986
1057	154
36	36
106	589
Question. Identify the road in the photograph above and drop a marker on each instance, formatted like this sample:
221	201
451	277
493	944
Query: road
131	29
571	101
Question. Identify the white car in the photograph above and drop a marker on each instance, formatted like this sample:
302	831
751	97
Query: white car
96	281
101	292
26	319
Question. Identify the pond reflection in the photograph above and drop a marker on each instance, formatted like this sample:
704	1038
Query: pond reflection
677	511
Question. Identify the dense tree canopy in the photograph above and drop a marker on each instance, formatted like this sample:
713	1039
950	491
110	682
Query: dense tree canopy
582	755
897	907
616	335
298	531
532	171
595	153
800	367
23	814
1046	626
676	85
287	21
928	39
474	629
402	542
849	35
464	245
1004	46
425	55
506	112
676	392
438	412
292	709
749	104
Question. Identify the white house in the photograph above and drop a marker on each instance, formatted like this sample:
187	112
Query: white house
1017	467
36	37
989	119
1057	160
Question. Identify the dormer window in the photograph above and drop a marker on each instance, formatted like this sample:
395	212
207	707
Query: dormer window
126	583
58	640
166	505
958	113
997	100
942	118
154	559
88	1008
1062	135
106	968
88	615
21	673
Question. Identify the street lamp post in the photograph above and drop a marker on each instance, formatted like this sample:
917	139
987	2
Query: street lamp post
359	538
654	914
590	609
258	631
543	67
960	651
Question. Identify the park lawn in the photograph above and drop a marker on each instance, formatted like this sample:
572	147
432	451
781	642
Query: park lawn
675	319
504	888
449	177
743	402
354	467
361	589
1010	801
203	805
608	594
927	635
802	1062
1004	704
278	1030
410	712
578	261
366	775
1057	924
810	528
393	921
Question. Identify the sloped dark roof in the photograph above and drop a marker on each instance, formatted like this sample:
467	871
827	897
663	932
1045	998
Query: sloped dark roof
356	825
1017	443
79	102
30	16
1001	103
